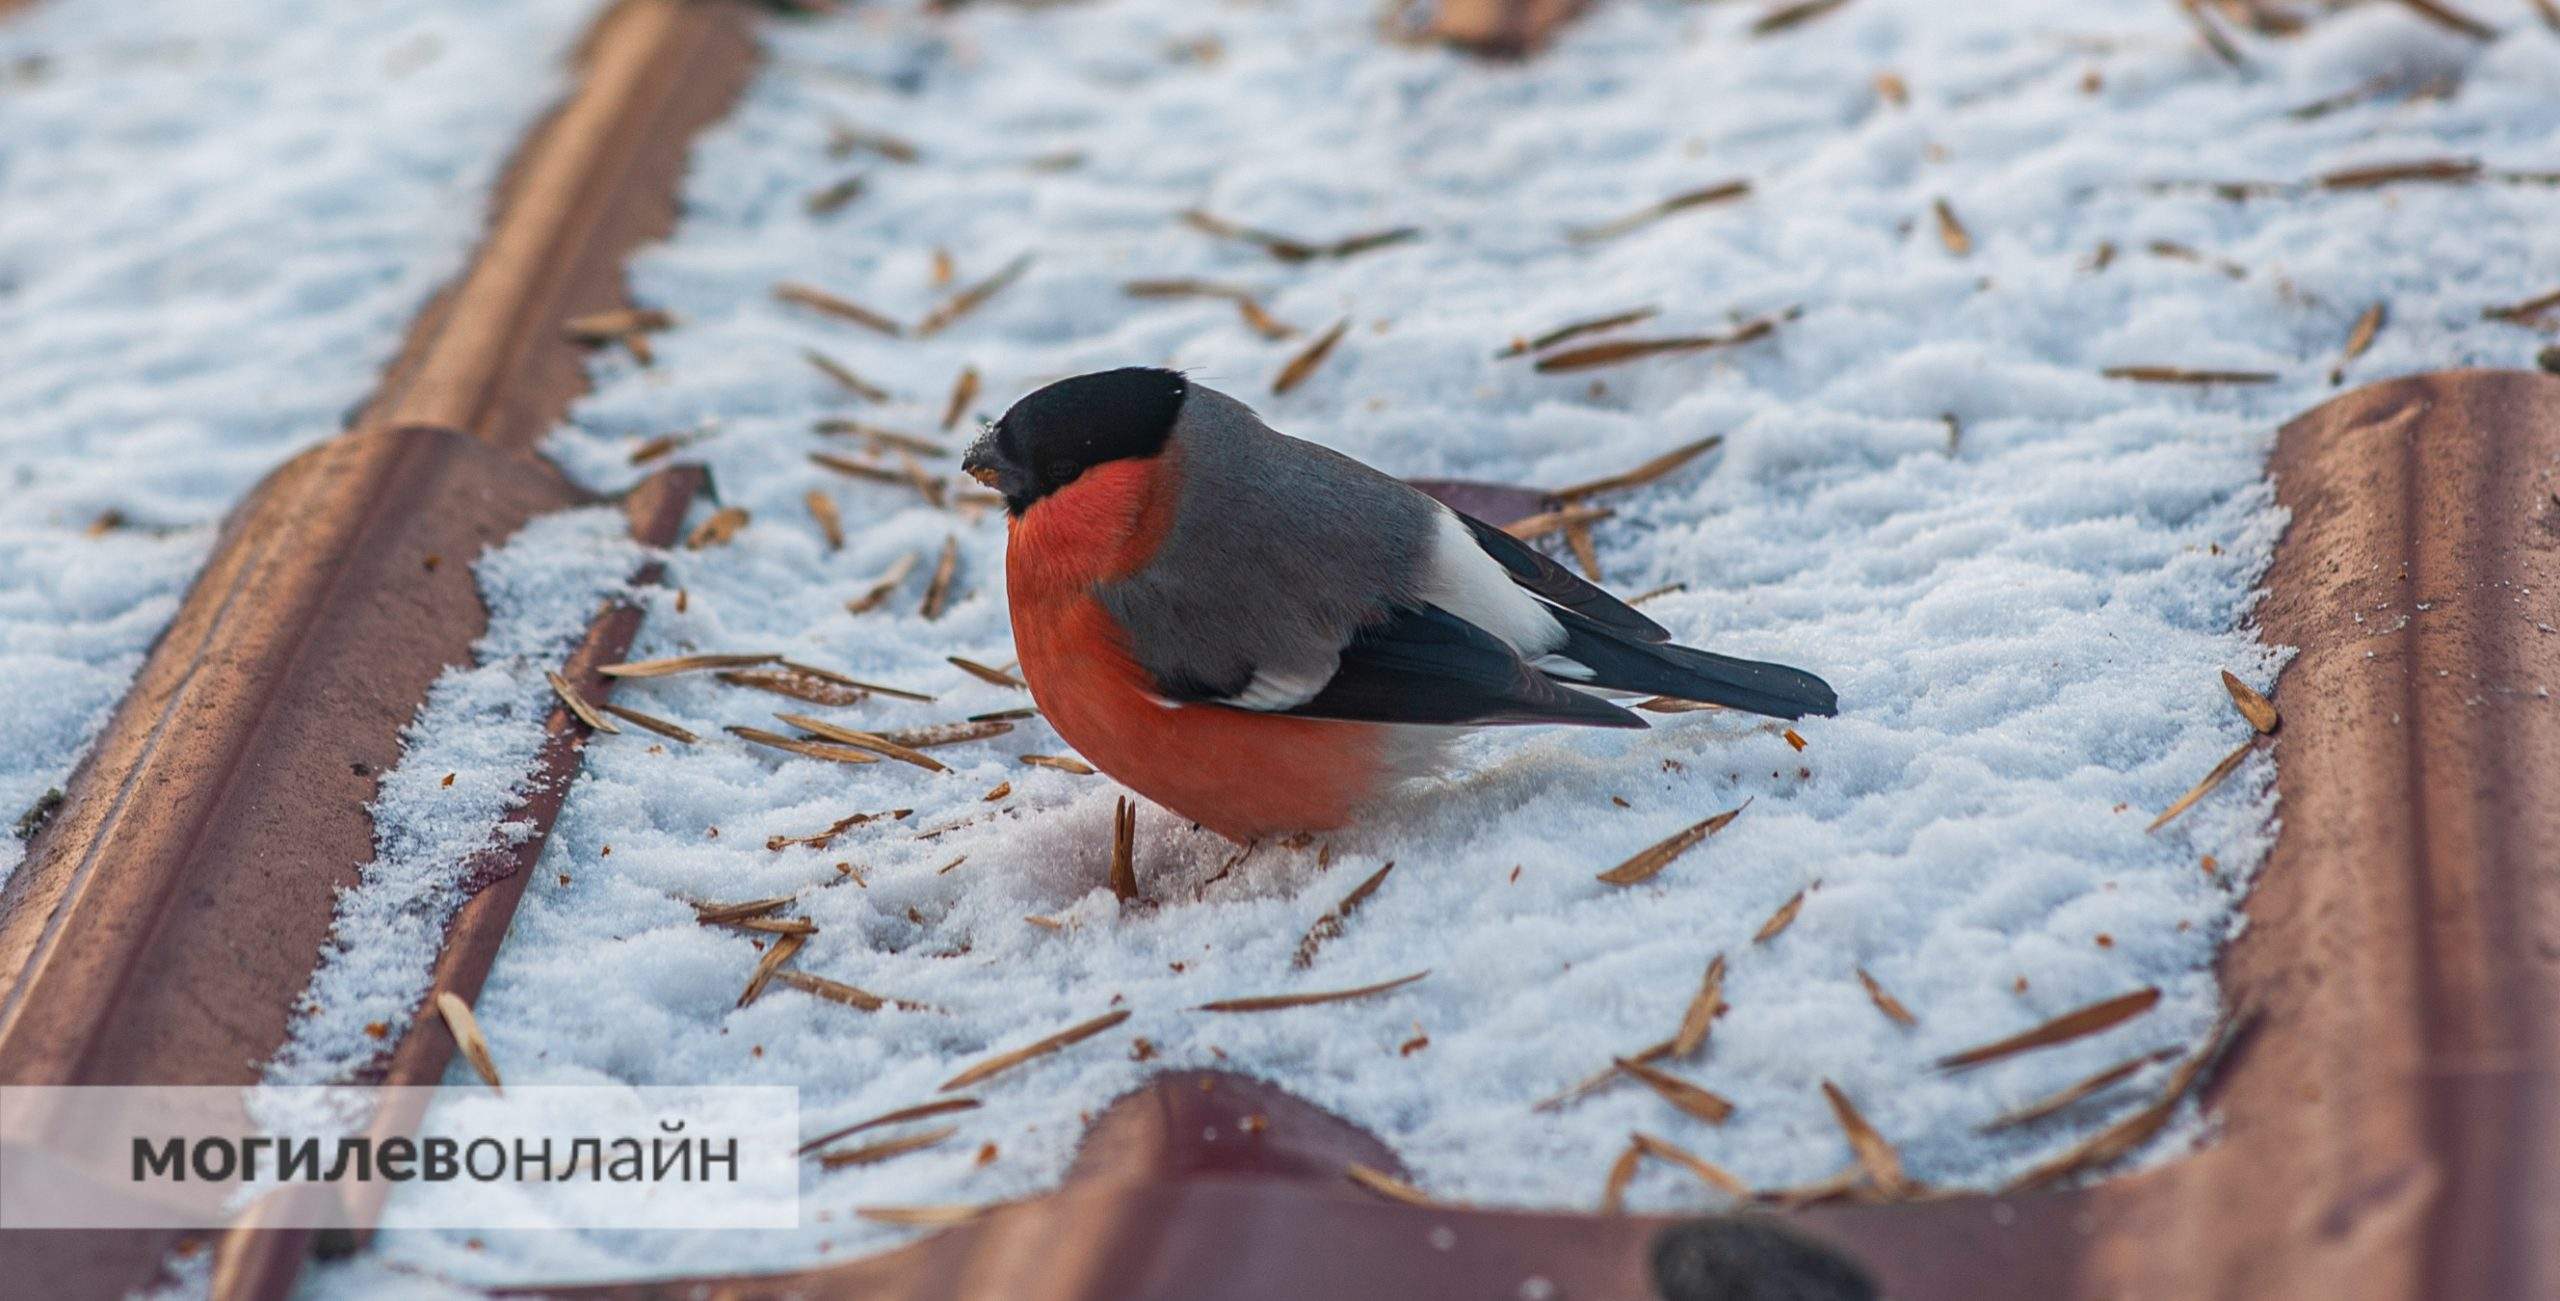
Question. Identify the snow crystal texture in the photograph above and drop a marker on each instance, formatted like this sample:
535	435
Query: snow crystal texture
215	222
2022	575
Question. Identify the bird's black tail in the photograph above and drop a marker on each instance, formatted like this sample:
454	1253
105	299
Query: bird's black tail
1620	663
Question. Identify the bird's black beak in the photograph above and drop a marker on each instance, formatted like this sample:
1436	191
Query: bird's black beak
980	463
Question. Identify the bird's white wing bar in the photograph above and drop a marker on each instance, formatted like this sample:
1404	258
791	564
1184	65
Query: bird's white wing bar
1461	579
1275	690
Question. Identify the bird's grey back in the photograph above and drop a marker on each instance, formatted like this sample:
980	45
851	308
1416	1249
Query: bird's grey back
1279	549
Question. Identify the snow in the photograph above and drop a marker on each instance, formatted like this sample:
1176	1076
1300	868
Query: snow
2025	623
215	222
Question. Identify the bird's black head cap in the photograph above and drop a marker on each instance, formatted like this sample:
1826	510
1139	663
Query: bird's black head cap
1061	431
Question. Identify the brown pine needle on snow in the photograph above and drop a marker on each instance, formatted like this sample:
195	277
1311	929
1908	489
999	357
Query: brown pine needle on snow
467	1039
1875	1154
1297	250
879	745
1626	350
1780	920
1793	15
1885	1002
921	1111
822	508
2056	1102
1622	1171
1708	1173
885	1149
983	673
1124	851
649	721
1534	527
1576	329
1258	319
1649	862
1386	1185
1330	925
793	684
1951	232
937	734
2230	763
2078	1023
1641	475
1276	1002
1720	192
2367	326
830	675
1708	1106
1312	356
615	326
854	384
1599	1079
822	839
831	198
716	529
2108	1145
2451	19
878	438
843	309
964	391
836	991
712	914
806	749
775	954
2260	711
1586	553
1065	763
1005	1061
937	591
684	664
2523	313
881	587
578	705
1702	1012
972	298
2180	375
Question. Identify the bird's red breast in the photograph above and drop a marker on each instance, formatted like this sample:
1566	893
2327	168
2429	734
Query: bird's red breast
1239	773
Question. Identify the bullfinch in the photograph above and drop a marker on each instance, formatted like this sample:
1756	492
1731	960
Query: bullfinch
1264	635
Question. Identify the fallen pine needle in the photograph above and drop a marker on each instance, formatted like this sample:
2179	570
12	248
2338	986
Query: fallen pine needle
806	749
2260	711
1702	1012
1296	250
1062	762
614	326
1626	350
2077	1023
2523	313
819	300
1951	232
1005	1061
467	1038
1622	1171
842	375
1305	363
882	586
1793	15
1124	851
1599	1079
2221	770
920	1217
1885	1002
1642	474
964	391
1708	1173
1704	1104
1720	192
1330	925
920	1111
2109	1144
775	955
578	705
984	673
683	664
939	734
970	299
793	683
1875	1155
1533	527
2367	326
2056	1102
937	591
879	745
887	1148
1275	1002
1386	1185
1649	862
2179	375
712	914
822	508
1576	329
830	675
1781	919
878	437
2428	169
836	991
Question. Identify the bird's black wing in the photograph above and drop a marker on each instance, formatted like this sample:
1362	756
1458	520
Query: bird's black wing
1532	569
1421	664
